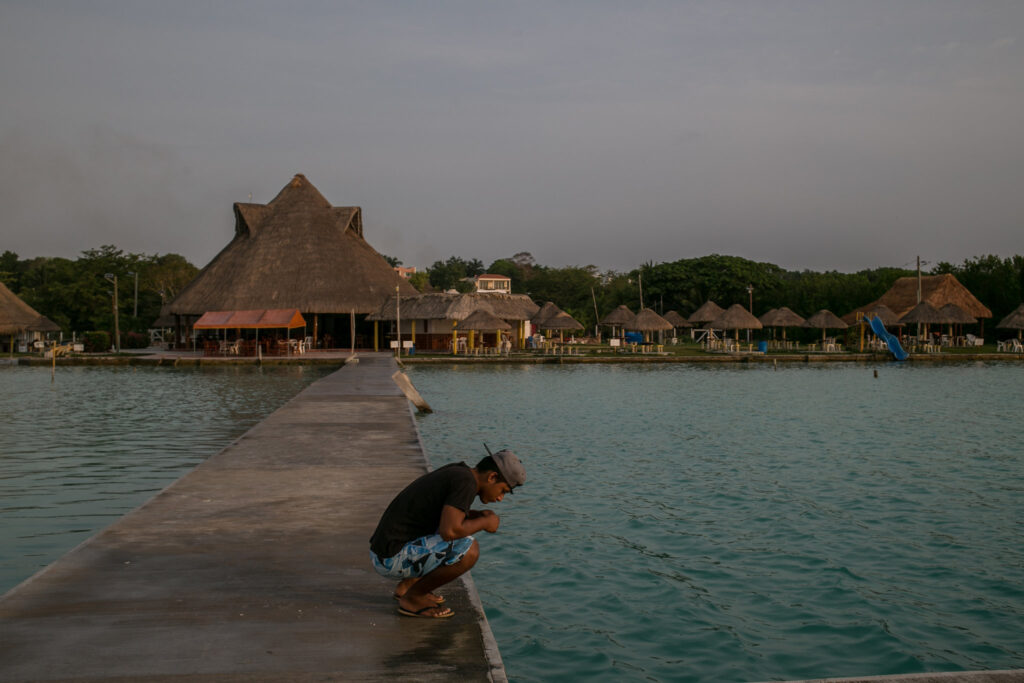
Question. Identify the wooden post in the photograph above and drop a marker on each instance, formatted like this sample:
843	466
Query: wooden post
376	335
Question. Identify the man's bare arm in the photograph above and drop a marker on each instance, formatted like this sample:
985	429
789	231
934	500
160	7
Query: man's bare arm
457	524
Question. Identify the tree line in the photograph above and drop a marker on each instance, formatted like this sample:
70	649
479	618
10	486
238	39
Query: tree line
588	294
76	295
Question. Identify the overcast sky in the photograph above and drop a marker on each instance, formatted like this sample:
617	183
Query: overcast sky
820	135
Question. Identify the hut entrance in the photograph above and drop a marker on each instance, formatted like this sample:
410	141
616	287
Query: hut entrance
334	331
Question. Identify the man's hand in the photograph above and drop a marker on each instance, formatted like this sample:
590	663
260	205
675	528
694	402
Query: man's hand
491	520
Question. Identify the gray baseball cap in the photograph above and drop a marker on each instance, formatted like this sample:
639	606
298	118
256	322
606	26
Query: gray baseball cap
512	471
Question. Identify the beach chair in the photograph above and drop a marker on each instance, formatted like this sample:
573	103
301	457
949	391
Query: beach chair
974	341
1015	346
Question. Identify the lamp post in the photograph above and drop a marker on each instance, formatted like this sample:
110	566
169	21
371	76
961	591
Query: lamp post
135	309
117	324
750	306
398	321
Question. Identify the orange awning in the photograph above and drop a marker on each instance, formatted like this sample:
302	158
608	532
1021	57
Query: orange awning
250	320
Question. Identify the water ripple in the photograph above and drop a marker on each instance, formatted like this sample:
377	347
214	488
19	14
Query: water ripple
694	524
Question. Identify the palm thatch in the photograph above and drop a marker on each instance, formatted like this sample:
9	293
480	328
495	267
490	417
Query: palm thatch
924	313
548	310
648	321
455	306
937	290
676	319
956	315
781	317
16	316
825	320
736	317
560	321
483	321
1014	321
620	316
706	313
876	310
298	251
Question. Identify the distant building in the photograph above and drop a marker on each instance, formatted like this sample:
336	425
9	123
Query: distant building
493	284
405	272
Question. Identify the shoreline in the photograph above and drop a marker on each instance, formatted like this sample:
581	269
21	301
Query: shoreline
188	359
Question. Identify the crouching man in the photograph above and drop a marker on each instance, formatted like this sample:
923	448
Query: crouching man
425	537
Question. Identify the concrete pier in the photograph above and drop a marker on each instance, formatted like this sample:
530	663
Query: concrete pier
254	566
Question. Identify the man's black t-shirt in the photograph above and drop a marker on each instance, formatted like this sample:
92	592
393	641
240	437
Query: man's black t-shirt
416	511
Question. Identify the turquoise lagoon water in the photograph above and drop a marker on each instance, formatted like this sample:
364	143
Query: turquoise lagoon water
79	453
695	523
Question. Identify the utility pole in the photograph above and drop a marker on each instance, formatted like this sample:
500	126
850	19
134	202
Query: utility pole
750	292
117	325
398	321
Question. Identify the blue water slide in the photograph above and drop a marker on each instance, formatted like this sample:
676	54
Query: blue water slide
890	339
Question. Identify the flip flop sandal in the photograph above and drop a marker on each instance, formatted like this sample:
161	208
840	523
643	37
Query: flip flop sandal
421	613
440	598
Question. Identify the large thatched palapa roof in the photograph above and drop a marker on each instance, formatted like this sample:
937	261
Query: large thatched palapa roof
298	251
16	316
937	290
454	306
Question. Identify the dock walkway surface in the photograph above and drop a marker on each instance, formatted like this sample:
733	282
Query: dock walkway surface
255	566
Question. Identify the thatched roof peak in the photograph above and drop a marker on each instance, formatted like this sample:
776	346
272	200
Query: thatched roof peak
647	320
1014	321
781	317
825	319
937	290
620	316
483	321
298	251
736	317
925	313
676	319
548	310
706	313
16	316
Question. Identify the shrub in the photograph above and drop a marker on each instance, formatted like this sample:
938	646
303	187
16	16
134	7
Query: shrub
134	340
96	342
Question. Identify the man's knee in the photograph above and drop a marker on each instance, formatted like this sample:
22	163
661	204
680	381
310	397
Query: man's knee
471	556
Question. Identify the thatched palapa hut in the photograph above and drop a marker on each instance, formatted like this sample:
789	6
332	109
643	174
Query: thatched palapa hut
647	321
19	321
1014	321
299	252
620	317
706	313
737	318
781	317
937	290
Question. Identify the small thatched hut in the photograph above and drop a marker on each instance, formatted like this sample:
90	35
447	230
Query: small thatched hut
432	320
678	321
781	317
648	321
825	320
737	318
1014	321
300	252
619	318
19	322
548	310
706	313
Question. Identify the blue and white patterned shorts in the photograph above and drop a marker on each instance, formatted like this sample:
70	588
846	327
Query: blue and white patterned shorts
421	556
